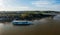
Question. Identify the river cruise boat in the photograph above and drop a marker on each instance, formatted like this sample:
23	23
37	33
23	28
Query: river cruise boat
21	22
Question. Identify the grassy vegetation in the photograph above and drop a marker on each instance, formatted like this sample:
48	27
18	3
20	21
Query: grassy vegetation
27	15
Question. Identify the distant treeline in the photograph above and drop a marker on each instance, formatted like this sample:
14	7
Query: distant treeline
31	15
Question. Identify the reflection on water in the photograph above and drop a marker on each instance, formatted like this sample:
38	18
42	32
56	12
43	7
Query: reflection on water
57	17
44	26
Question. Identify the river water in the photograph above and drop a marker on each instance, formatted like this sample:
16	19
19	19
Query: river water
45	26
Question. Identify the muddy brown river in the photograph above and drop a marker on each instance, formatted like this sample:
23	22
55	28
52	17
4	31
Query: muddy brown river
44	26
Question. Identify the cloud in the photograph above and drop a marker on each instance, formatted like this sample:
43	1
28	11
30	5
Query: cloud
41	3
46	5
13	8
13	5
5	5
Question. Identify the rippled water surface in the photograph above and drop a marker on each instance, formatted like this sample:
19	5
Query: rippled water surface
45	26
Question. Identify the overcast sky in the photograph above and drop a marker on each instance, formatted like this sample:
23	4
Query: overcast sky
22	5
